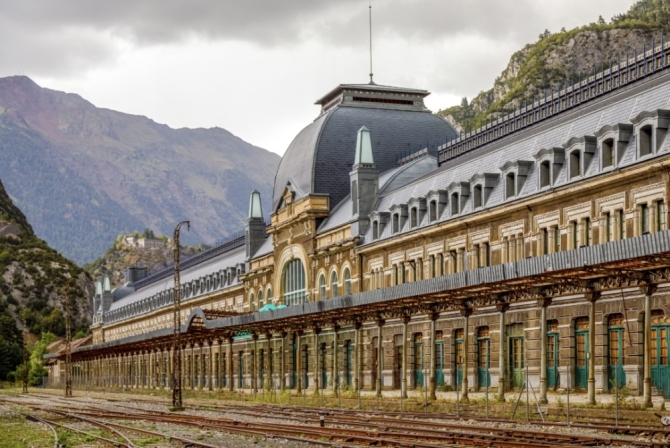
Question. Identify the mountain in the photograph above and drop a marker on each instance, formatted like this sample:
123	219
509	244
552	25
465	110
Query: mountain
33	277
83	174
559	58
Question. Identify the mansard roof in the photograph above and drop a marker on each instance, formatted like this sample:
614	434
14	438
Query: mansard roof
321	156
577	125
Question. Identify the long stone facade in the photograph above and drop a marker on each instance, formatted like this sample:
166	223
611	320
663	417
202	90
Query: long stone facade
540	251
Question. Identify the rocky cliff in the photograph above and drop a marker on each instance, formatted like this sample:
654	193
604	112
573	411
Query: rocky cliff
559	58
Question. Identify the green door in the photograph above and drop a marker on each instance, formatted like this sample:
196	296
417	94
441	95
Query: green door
418	364
581	352
553	380
483	345
348	363
516	350
458	357
439	363
660	370
615	373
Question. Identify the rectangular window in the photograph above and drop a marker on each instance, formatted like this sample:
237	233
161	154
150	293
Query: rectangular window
661	215
557	239
545	241
575	235
608	227
587	232
644	218
622	223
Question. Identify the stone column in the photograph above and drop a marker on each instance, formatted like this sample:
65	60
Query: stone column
403	380
459	260
298	363
519	247
502	307
592	297
282	357
210	373
652	217
433	317
357	355
543	303
336	376
512	248
465	312
230	363
647	289
505	243
254	364
268	362
317	380
380	356
551	244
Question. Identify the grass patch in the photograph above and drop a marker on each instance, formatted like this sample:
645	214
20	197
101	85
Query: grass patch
15	432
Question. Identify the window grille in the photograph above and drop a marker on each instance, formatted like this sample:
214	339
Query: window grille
293	280
334	286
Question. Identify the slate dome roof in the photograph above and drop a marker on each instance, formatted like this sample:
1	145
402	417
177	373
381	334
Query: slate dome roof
321	156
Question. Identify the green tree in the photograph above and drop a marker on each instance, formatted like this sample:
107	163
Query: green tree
36	365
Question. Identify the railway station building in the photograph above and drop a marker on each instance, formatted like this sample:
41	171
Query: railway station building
401	255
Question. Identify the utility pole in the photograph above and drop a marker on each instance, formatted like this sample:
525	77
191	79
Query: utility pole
68	341
177	404
25	354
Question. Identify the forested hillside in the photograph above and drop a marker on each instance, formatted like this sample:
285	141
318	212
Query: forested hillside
33	276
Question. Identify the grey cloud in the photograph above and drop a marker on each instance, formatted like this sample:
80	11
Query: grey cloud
57	37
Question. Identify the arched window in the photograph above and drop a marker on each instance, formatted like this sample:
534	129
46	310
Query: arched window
334	285
322	287
268	295
347	281
251	302
293	282
260	300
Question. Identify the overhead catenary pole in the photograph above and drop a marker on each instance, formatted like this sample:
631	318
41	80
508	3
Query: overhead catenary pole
177	403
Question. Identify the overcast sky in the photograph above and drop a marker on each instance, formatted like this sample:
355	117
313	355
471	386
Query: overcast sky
255	68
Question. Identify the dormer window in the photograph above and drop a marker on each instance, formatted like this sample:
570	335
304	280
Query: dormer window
477	198
550	161
575	164
645	146
454	204
459	193
432	211
580	150
607	152
545	174
437	199
398	217
515	173
612	143
417	209
650	129
482	185
510	185
378	221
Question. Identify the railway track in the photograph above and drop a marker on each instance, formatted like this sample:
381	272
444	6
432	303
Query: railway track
343	427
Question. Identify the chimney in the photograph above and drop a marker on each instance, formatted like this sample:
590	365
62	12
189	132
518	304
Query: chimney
364	183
